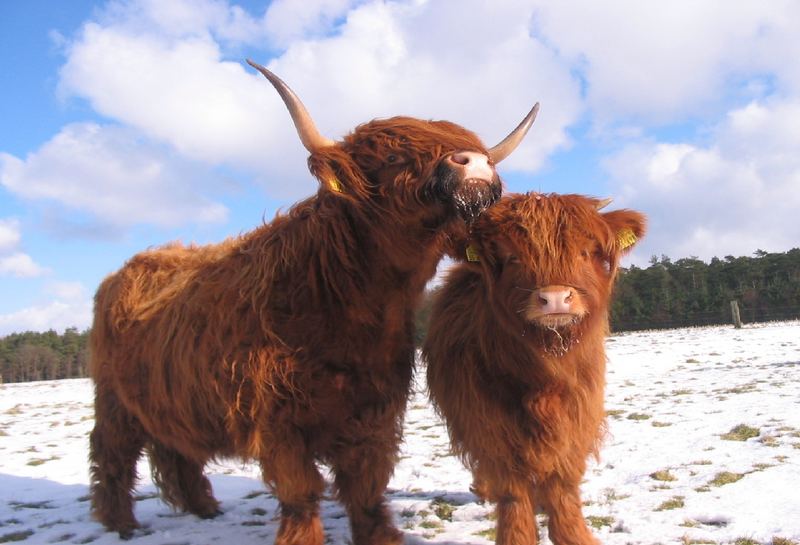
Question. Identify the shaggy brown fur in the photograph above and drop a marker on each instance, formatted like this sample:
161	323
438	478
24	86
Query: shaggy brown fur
289	345
522	391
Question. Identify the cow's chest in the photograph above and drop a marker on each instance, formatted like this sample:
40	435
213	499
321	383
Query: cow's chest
339	403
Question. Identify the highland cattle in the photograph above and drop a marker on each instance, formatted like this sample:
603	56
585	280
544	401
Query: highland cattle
291	344
515	355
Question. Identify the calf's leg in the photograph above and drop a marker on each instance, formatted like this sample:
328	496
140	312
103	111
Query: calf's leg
182	482
560	497
115	445
516	516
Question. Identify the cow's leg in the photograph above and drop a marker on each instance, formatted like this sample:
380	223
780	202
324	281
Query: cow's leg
362	471
560	497
290	470
115	445
182	482
516	516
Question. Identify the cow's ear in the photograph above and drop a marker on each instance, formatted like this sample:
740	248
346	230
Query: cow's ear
338	173
627	227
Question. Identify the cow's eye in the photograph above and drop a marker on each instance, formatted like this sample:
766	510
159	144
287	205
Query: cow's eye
391	158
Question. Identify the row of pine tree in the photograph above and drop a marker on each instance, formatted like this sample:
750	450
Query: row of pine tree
666	294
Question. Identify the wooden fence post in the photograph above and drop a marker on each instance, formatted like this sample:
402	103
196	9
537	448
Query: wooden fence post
737	320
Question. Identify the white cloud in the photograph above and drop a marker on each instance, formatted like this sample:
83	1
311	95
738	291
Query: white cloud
114	175
57	315
185	18
664	61
9	234
67	290
732	196
12	261
385	59
19	264
288	20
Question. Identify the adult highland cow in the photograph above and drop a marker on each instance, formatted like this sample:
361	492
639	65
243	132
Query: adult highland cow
291	344
515	355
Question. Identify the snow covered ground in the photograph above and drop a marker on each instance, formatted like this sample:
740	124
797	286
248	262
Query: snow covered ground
704	447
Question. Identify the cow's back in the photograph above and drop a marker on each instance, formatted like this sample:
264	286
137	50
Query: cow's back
151	322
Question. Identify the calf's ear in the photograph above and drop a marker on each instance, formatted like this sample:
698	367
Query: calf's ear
627	226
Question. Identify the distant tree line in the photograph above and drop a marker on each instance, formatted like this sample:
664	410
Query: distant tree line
690	292
43	356
686	292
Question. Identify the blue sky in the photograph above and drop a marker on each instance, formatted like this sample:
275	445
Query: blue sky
130	123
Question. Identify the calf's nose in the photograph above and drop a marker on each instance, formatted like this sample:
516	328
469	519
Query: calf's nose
472	164
555	301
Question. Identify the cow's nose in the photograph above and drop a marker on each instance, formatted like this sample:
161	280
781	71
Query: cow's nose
472	163
555	301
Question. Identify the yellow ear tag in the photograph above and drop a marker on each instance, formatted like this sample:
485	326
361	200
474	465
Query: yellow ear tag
472	254
626	238
334	184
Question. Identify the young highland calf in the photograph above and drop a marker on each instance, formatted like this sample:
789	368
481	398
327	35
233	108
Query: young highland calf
291	344
515	355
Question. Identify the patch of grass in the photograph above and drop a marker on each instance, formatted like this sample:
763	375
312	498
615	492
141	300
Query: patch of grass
443	509
490	534
743	389
689	523
407	513
692	360
725	477
638	416
682	392
611	495
702	463
15	410
776	540
769	441
254	494
259	512
742	432
39	461
16	536
53	523
17	505
615	412
745	541
663	475
145	497
675	502
431	524
657	424
762	467
598	522
686	540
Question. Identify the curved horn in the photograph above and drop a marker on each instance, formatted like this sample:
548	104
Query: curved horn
306	129
510	142
602	203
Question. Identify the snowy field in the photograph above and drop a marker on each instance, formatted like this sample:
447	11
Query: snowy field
704	447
